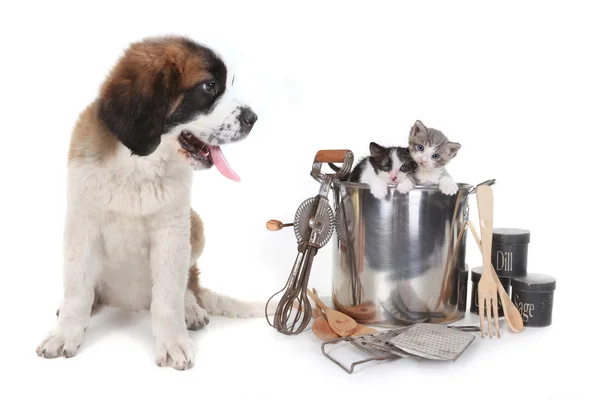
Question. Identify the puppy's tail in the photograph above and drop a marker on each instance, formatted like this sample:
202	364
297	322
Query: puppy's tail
218	304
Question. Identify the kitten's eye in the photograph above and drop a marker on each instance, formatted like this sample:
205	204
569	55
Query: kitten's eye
420	147
385	169
404	168
210	87
435	156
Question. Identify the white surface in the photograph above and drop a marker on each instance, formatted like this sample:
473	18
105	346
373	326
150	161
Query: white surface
516	83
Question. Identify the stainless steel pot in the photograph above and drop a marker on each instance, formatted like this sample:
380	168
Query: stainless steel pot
396	261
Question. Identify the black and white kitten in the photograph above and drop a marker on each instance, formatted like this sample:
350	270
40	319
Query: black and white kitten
385	166
432	151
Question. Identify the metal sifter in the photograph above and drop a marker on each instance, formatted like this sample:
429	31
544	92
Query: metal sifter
313	226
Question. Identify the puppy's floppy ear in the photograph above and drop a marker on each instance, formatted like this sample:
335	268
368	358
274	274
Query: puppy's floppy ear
417	127
134	107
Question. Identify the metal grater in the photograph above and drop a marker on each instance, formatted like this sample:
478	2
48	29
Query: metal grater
433	342
420	342
381	341
373	353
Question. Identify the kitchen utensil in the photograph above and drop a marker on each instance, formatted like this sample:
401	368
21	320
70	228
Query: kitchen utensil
340	323
512	316
438	343
381	341
345	225
275	225
313	227
360	329
446	289
363	330
366	311
314	312
405	306
475	277
320	326
487	287
433	342
322	329
489	182
399	241
373	354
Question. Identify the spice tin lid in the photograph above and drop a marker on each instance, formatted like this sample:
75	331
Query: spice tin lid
476	276
538	283
510	236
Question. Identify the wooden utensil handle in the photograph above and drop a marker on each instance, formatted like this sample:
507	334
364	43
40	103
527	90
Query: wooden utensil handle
331	156
485	204
316	299
275	225
476	236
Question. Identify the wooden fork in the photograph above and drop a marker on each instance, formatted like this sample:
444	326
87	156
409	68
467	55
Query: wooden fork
487	288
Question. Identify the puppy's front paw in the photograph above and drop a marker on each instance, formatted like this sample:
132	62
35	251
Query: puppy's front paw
195	317
448	186
405	186
379	191
61	341
176	351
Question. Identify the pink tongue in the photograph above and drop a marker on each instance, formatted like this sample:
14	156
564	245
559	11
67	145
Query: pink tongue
221	163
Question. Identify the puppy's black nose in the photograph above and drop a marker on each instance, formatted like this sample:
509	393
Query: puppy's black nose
249	117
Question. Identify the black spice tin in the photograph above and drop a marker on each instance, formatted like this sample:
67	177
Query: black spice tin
463	282
475	277
534	295
509	251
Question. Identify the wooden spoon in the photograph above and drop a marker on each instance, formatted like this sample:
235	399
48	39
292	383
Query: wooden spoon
364	312
341	324
313	313
320	326
512	316
363	330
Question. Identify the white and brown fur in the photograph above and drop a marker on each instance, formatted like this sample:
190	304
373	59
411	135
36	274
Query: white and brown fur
131	237
432	151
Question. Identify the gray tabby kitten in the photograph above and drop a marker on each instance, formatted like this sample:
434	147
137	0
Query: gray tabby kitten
385	166
432	151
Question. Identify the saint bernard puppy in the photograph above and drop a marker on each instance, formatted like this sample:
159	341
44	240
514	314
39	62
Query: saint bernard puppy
131	238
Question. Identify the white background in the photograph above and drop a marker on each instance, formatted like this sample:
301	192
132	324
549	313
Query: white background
516	83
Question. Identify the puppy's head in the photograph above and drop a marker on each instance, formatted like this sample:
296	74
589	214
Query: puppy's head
172	86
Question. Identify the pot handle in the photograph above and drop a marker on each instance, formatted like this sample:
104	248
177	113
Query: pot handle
331	156
489	182
346	157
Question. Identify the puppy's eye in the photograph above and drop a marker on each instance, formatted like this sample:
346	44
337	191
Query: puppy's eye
420	147
435	156
210	87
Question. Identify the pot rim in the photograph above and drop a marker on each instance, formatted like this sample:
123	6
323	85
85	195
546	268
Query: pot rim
427	188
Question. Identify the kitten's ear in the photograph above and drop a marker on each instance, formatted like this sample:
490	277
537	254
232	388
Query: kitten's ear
376	150
418	127
453	147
